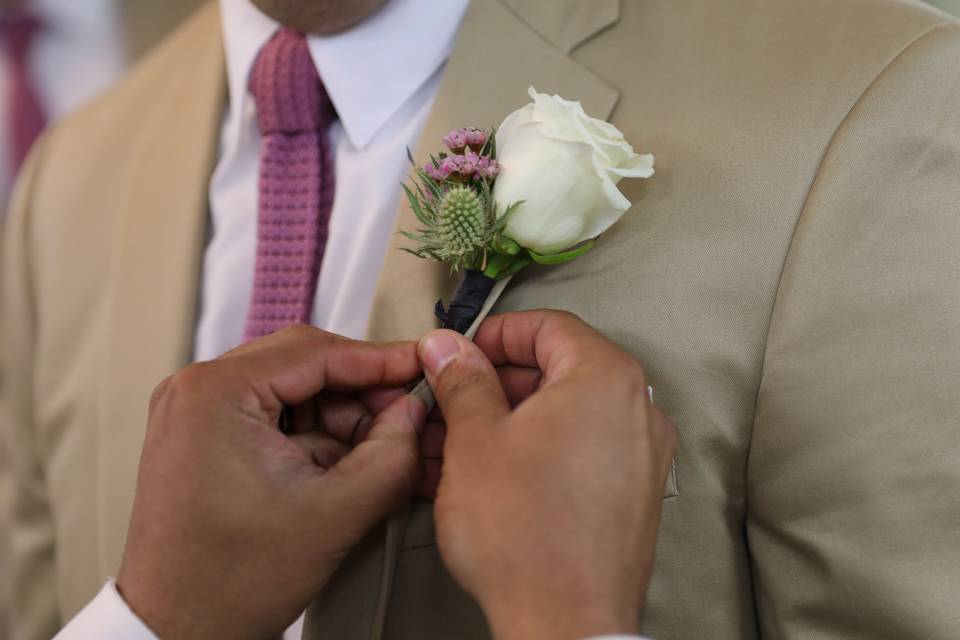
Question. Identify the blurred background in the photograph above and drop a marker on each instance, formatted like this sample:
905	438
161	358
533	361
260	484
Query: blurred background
953	6
57	55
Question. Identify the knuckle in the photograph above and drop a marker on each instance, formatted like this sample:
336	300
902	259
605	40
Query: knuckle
189	381
300	332
159	393
563	316
631	371
562	320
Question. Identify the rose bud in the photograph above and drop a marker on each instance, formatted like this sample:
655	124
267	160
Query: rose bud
564	166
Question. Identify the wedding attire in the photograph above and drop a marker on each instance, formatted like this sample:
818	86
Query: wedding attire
56	55
789	280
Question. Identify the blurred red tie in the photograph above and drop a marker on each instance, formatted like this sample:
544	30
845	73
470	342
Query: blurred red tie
26	118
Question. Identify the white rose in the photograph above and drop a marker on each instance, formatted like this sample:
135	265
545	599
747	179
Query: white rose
565	166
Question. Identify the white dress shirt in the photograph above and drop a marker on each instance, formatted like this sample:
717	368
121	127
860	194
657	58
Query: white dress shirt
80	51
382	77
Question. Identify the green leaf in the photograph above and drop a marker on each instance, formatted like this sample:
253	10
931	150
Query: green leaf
510	210
490	147
430	183
415	205
560	258
505	246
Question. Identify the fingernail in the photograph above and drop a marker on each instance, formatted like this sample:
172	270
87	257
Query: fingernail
436	352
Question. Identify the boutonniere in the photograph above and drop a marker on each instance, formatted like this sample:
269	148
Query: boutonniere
539	189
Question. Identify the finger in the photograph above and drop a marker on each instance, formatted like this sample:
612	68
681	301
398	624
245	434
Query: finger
304	416
291	365
341	415
322	449
381	472
430	480
553	341
432	440
518	383
376	400
464	383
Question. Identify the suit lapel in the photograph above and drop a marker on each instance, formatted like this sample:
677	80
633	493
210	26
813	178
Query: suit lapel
497	56
503	47
145	22
156	270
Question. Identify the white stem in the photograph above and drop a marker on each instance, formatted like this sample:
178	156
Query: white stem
423	390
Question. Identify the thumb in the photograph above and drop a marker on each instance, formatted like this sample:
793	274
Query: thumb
464	383
380	473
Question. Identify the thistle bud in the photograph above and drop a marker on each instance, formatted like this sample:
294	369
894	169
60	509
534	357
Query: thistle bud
463	221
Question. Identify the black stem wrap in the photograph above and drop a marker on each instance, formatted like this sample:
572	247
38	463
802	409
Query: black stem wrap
467	301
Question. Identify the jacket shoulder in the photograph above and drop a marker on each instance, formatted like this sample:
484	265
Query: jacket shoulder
127	106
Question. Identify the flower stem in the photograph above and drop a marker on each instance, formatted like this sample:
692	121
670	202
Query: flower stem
496	265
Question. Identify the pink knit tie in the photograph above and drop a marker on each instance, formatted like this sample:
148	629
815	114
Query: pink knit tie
296	183
26	117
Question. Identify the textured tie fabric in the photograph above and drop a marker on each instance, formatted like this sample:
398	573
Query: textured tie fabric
296	183
18	29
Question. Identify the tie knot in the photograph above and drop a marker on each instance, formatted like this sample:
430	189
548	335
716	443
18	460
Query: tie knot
18	27
286	87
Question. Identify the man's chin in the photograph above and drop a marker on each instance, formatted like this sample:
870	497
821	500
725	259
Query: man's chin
319	17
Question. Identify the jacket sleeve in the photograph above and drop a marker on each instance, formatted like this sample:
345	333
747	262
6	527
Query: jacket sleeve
853	474
35	610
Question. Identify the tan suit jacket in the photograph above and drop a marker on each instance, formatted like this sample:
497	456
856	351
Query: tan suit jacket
790	277
143	23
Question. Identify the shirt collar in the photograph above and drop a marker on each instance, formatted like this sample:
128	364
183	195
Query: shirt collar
369	71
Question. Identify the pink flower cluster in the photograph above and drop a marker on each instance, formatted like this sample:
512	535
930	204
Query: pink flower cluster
466	161
459	139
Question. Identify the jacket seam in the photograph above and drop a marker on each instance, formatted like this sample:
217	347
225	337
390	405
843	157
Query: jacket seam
803	209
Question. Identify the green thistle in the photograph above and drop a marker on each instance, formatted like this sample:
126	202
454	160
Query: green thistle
451	196
462	227
459	223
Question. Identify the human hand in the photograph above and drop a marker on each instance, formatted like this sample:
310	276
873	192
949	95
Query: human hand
235	526
548	513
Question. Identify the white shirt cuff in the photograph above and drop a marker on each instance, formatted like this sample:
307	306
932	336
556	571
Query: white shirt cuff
106	617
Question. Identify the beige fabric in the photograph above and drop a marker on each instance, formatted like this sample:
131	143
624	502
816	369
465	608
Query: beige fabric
103	256
147	22
790	278
144	23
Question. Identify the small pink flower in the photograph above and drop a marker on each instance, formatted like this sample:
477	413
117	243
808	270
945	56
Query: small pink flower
437	173
475	138
488	168
469	164
455	140
451	164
